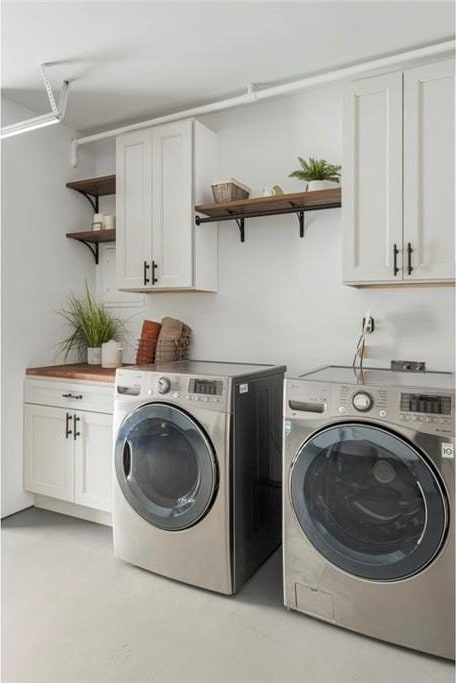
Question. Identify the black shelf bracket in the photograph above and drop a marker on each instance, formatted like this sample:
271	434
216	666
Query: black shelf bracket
301	219
240	218
94	248
91	198
241	226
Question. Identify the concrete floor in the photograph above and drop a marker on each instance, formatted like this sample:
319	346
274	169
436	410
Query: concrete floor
74	614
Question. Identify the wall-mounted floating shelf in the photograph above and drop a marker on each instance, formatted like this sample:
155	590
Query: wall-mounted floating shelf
297	202
92	238
93	188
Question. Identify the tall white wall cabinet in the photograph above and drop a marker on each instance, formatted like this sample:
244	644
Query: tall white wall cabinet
161	173
398	177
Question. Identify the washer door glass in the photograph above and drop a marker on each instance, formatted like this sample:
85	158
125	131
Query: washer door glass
368	501
165	466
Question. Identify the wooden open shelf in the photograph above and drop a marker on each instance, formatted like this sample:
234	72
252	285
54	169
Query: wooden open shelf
92	189
296	202
92	238
321	199
97	187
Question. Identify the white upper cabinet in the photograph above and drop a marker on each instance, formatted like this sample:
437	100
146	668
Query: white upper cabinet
398	177
372	179
172	195
133	208
429	172
161	173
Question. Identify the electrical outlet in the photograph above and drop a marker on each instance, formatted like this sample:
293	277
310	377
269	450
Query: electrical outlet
368	324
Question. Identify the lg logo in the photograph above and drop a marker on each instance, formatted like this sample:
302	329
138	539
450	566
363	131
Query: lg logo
447	450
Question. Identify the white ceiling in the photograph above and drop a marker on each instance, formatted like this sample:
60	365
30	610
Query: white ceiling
129	61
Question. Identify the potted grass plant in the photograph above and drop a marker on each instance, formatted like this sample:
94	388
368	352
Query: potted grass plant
317	173
91	325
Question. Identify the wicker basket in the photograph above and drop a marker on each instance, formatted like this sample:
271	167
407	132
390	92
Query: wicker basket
156	351
230	191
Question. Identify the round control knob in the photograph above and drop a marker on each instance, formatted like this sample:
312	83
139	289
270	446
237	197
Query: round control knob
164	385
362	401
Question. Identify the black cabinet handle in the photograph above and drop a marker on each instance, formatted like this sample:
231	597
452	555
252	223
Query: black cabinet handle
395	253
70	395
68	431
76	433
409	258
154	268
146	268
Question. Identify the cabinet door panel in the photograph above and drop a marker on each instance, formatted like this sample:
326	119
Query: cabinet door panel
93	461
429	170
372	179
133	208
172	204
48	454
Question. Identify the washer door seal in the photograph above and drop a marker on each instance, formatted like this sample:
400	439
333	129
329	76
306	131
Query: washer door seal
368	501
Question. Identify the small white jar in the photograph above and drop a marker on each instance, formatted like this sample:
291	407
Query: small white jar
111	354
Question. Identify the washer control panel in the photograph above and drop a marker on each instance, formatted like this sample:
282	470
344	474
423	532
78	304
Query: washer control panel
184	389
431	412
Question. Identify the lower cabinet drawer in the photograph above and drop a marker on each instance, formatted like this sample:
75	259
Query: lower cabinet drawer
97	398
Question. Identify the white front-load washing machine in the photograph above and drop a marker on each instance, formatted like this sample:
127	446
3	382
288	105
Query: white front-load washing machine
369	503
197	459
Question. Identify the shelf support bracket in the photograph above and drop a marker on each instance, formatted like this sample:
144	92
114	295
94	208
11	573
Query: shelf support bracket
241	225
94	248
301	219
240	220
92	199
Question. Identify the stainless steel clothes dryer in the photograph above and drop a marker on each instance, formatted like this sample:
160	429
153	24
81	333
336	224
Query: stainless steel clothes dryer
369	503
197	485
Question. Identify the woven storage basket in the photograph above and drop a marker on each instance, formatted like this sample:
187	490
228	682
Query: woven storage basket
162	351
230	191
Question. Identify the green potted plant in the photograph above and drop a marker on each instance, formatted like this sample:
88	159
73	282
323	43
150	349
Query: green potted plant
91	325
317	173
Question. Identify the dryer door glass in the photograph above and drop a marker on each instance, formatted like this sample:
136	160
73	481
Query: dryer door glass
165	466
368	501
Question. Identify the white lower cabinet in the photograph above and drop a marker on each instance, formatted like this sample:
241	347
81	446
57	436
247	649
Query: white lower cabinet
68	452
93	461
48	453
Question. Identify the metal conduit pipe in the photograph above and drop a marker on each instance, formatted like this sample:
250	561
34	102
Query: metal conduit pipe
254	94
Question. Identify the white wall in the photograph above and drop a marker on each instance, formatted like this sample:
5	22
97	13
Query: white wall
280	298
39	267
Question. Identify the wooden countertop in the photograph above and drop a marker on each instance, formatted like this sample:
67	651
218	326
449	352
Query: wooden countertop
77	371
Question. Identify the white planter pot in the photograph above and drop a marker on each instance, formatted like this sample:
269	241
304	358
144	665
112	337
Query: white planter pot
94	355
314	185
